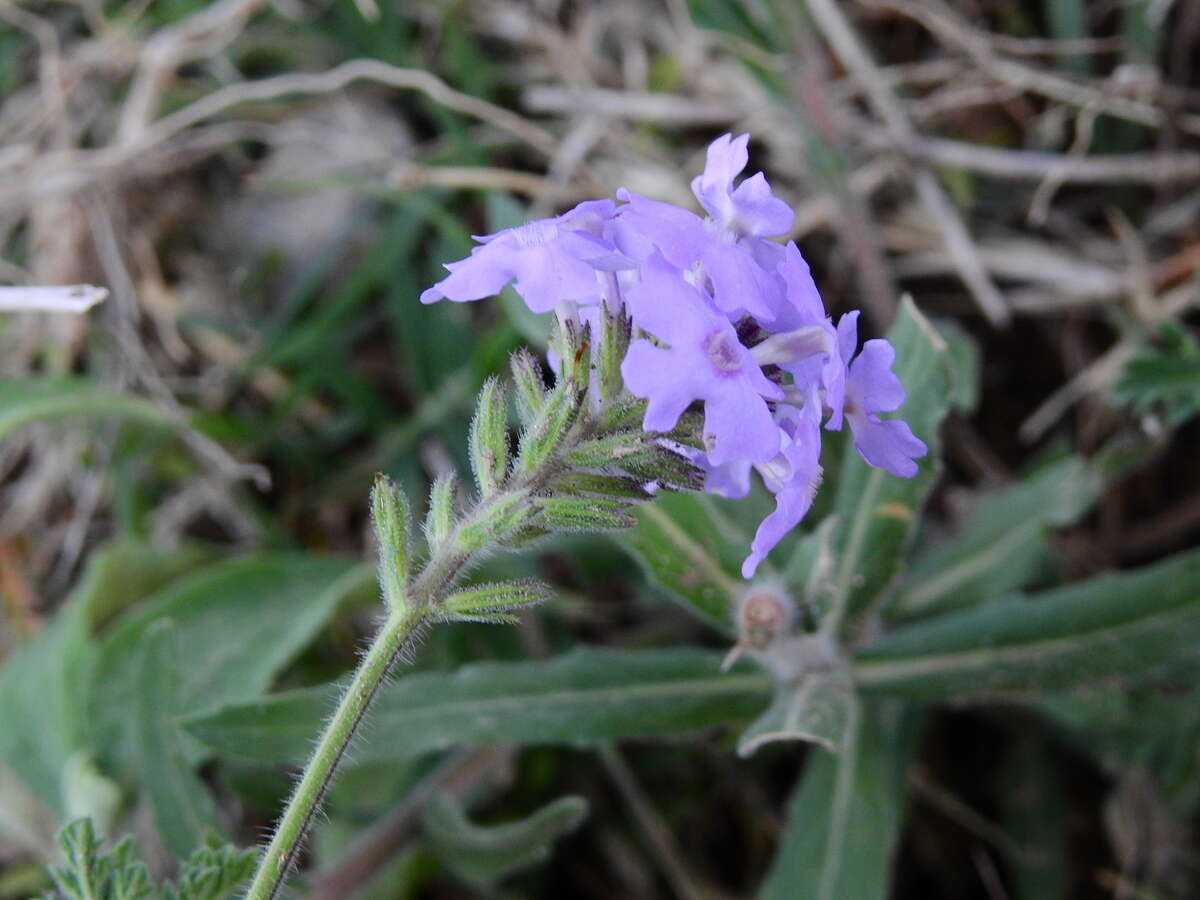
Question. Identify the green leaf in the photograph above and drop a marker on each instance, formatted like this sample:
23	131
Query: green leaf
1166	378
494	522
665	466
1151	725
183	809
27	400
237	623
844	817
693	551
963	357
577	699
1125	623
213	873
814	709
90	874
485	855
877	513
612	346
1034	819
43	685
601	453
1004	547
488	440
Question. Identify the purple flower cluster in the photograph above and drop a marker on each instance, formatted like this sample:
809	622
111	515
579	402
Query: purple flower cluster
723	316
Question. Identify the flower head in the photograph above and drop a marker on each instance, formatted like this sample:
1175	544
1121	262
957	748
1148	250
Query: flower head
725	319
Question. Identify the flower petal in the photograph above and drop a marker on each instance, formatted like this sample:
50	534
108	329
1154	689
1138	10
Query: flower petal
889	444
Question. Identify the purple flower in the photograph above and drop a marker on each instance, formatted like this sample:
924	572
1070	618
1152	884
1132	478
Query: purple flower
872	387
704	361
723	316
750	209
793	476
711	258
552	261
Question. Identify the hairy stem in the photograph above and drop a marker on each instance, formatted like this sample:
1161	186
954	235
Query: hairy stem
409	614
389	644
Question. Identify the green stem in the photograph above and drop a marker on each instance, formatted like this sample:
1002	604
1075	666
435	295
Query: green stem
408	614
389	644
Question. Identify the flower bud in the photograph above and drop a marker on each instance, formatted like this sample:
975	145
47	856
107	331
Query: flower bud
765	613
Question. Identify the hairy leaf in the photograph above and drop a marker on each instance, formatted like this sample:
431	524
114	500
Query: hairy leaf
489	602
392	520
815	709
1125	623
844	817
577	699
1004	546
689	547
237	623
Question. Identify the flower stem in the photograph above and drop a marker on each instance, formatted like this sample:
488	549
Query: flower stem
397	632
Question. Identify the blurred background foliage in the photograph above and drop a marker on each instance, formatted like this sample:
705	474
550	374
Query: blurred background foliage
265	188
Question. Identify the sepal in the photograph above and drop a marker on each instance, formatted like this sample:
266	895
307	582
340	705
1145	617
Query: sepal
577	514
391	517
489	438
439	521
494	602
530	388
611	347
554	420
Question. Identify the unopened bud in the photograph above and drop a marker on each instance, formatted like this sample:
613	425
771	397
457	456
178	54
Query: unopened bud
765	614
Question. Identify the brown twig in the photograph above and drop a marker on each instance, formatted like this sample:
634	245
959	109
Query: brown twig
840	35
